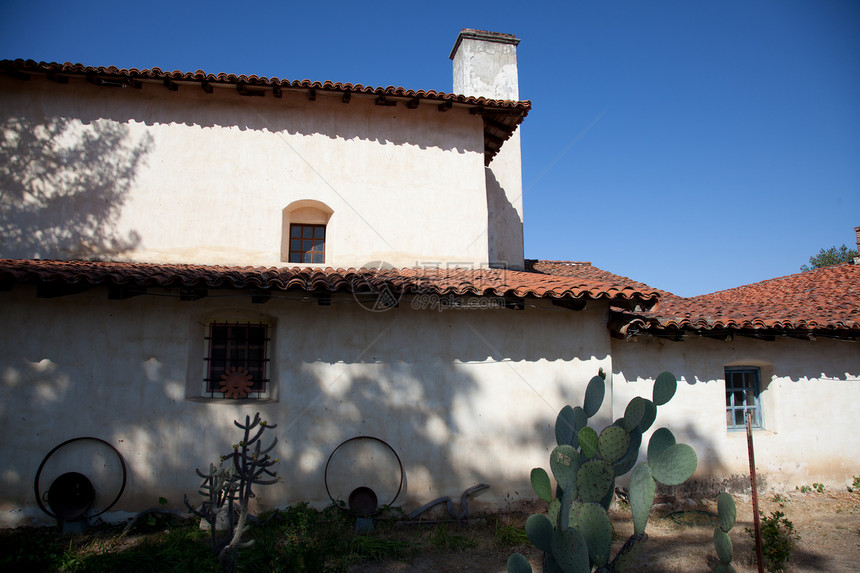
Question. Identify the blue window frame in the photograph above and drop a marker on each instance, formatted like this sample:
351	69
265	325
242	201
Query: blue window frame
743	386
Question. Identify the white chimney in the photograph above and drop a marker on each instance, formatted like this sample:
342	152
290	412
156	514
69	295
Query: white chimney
485	65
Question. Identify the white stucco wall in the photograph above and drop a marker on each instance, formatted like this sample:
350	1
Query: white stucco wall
810	404
463	396
189	177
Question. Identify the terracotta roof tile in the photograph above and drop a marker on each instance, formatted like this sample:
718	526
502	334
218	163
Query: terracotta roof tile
826	298
501	117
477	282
820	299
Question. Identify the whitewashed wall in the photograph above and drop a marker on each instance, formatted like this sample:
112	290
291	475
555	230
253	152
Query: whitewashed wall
810	404
463	396
189	177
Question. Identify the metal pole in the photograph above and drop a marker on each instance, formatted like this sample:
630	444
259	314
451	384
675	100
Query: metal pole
756	522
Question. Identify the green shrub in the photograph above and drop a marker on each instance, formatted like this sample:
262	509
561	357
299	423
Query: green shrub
777	540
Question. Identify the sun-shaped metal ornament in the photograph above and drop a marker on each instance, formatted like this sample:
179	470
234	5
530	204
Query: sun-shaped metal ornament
236	382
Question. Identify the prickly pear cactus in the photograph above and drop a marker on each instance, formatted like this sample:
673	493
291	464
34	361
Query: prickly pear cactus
576	533
722	542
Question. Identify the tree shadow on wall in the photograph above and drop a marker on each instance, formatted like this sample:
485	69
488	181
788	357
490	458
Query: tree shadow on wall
63	185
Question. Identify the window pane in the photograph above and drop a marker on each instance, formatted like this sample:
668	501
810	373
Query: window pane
317	246
295	230
307	231
319	232
739	418
749	380
730	418
307	258
318	258
739	398
295	257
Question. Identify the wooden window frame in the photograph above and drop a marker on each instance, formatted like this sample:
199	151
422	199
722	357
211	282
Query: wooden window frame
738	384
298	255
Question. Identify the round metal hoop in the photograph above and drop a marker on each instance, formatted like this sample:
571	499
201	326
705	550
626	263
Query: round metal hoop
45	460
371	438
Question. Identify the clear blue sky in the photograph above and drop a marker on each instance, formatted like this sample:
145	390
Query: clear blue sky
690	145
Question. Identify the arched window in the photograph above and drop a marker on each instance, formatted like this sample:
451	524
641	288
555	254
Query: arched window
304	232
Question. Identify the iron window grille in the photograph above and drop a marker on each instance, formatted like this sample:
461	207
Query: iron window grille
307	243
240	345
742	396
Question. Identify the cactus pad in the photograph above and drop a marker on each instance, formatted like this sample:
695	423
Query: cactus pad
593	523
539	530
628	460
564	463
633	413
594	479
567	424
588	442
664	388
541	484
565	434
553	509
649	416
727	510
642	490
594	396
660	440
674	465
723	544
517	563
570	551
613	443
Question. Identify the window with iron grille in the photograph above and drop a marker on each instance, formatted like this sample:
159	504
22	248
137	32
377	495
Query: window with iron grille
307	243
742	396
237	359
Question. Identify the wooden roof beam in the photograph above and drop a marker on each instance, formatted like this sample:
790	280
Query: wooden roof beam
243	90
57	289
56	78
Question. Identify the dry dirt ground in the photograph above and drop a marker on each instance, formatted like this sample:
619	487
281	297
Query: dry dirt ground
828	525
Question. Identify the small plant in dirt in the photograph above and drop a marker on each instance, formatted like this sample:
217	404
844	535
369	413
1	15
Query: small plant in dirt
855	486
722	542
816	487
780	499
228	489
509	535
575	534
777	540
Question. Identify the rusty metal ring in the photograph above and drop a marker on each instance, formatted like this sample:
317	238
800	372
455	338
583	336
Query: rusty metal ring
45	460
384	443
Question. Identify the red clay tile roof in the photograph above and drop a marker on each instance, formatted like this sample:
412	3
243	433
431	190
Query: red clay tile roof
480	282
819	299
826	299
587	271
501	117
